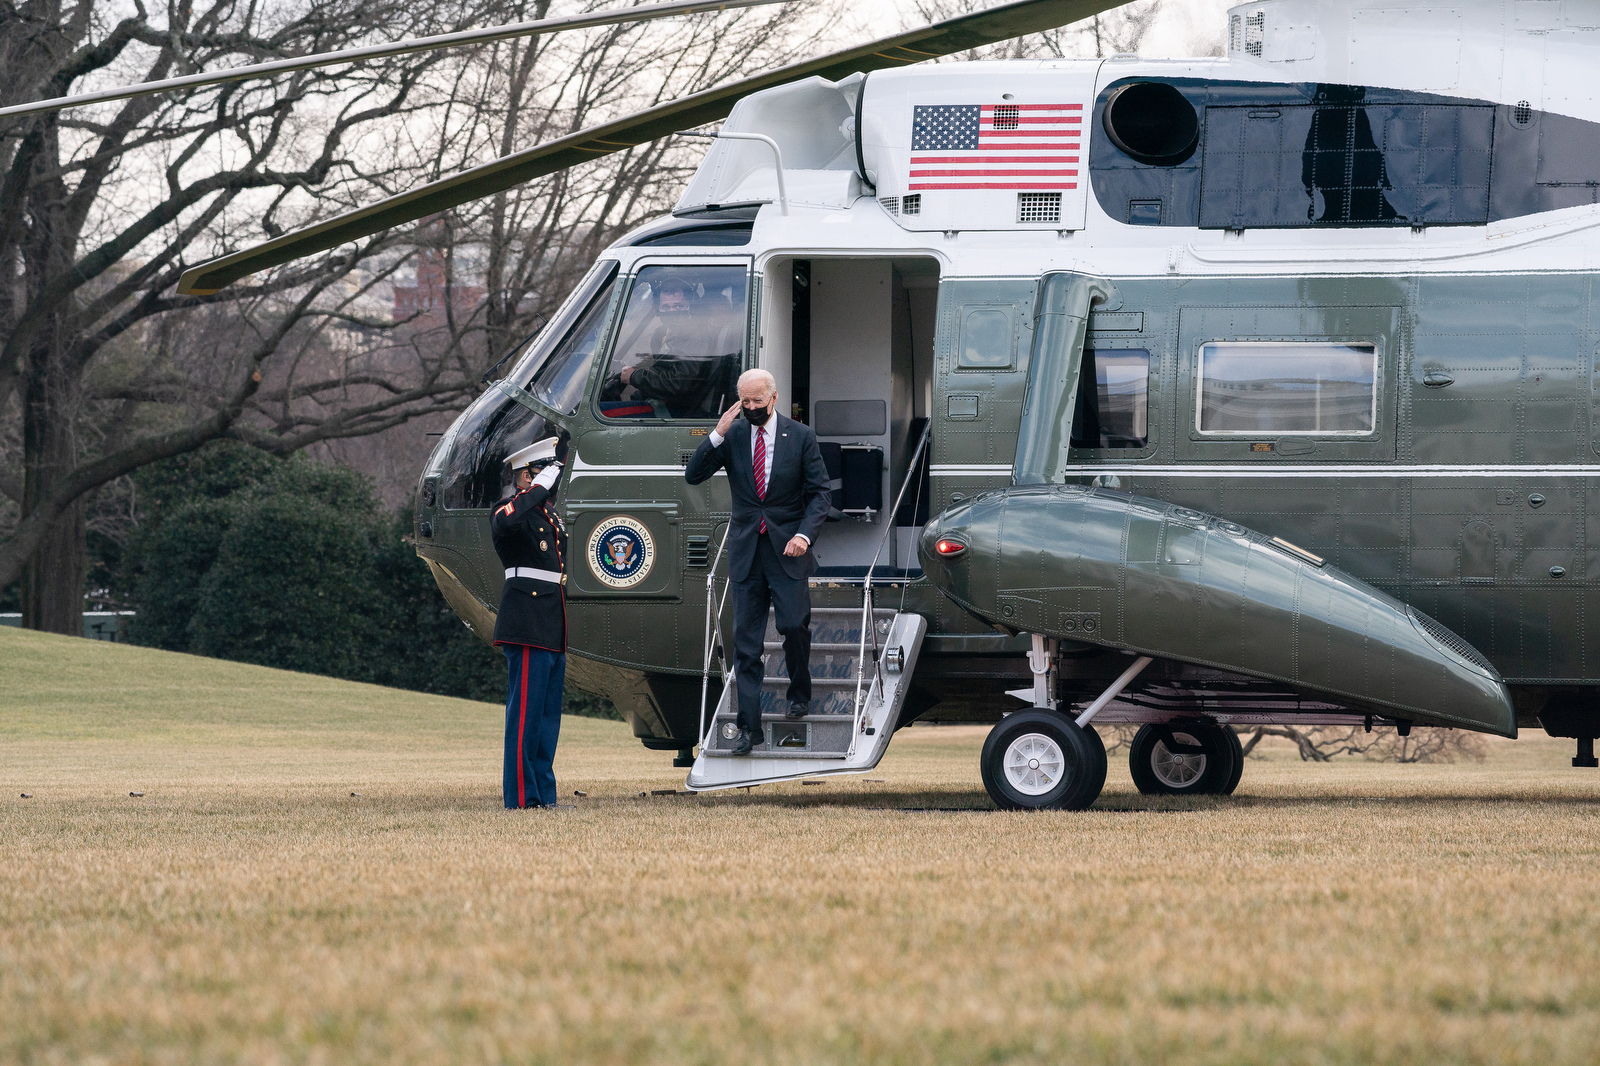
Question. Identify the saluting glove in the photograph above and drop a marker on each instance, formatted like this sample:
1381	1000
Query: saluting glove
547	477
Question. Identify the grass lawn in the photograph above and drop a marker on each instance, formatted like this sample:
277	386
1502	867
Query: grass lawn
248	908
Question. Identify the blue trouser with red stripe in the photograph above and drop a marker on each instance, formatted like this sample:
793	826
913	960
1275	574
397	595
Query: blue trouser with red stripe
533	724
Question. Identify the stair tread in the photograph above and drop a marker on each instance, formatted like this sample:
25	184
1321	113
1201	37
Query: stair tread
779	716
777	753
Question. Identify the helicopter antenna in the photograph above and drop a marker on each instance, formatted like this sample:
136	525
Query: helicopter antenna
606	17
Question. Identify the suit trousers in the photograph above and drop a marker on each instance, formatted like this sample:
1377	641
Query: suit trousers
533	724
790	598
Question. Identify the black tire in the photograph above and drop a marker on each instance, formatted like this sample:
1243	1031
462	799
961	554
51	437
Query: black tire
1067	769
1092	735
1185	759
1238	759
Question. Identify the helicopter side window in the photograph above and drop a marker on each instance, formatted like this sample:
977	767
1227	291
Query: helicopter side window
559	381
1310	388
681	345
986	337
1113	400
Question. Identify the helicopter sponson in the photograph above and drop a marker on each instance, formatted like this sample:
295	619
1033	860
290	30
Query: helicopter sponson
1104	567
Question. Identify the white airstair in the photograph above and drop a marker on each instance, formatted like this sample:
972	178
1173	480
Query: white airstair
862	661
853	711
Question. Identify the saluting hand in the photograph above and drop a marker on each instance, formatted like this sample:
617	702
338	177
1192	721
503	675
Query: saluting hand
725	423
547	477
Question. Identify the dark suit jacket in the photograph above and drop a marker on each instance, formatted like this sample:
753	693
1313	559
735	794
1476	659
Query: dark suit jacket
797	493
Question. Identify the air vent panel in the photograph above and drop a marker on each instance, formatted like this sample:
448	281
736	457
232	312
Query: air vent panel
697	554
1038	207
1450	640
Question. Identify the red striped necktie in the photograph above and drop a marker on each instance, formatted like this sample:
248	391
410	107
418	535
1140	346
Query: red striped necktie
761	472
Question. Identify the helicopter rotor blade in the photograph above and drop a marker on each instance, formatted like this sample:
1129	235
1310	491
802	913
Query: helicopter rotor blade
939	39
607	17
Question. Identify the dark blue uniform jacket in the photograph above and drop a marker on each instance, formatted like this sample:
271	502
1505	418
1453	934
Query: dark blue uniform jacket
528	533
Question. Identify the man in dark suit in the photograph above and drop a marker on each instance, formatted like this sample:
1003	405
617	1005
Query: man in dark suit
779	486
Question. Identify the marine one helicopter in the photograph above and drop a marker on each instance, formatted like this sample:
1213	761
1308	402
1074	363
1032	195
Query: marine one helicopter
1188	393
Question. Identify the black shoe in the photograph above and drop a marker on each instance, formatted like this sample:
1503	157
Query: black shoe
558	806
798	709
742	743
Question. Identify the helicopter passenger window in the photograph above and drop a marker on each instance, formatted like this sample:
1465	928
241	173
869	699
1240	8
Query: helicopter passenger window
559	382
1314	388
681	345
1113	399
985	339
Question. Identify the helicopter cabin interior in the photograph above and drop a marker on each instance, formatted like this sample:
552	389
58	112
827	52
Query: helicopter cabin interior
850	342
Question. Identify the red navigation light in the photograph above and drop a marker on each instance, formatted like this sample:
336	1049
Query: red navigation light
949	548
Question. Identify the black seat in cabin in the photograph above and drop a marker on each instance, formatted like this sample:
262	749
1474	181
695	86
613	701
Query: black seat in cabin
855	478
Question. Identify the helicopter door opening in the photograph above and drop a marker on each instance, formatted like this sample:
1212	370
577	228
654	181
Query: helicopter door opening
850	342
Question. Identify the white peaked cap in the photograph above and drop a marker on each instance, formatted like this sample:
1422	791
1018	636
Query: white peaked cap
538	451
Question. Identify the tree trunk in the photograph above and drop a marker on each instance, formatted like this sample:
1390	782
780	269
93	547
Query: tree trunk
52	582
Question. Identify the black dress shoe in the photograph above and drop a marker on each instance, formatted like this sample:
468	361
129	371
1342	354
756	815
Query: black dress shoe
798	709
743	743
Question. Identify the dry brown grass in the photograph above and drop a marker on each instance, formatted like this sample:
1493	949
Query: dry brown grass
247	908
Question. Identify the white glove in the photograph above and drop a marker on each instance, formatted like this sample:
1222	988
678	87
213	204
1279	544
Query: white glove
547	477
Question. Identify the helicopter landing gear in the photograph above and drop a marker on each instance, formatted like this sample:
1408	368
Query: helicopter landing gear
1042	760
1186	759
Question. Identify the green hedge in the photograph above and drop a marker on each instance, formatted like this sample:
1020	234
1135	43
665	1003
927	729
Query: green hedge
294	564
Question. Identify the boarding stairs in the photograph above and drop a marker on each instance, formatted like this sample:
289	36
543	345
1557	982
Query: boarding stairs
862	661
853	711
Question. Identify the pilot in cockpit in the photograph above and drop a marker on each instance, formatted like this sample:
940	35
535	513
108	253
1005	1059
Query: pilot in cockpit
680	360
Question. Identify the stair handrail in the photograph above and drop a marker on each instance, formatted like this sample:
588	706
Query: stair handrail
867	621
713	619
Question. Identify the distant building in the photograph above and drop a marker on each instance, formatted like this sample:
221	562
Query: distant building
424	302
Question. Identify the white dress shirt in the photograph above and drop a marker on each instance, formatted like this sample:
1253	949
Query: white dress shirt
770	432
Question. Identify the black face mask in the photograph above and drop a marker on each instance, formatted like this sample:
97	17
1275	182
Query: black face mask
758	416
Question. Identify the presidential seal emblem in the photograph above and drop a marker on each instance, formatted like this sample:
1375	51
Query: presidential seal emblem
621	552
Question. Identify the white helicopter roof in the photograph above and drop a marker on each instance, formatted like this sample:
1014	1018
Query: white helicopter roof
1020	120
1541	52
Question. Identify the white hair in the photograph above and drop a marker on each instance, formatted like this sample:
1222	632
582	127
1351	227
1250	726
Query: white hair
757	374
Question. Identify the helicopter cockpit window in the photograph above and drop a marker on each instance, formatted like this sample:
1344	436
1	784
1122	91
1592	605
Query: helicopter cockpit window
1113	400
1310	388
560	380
494	426
536	350
680	348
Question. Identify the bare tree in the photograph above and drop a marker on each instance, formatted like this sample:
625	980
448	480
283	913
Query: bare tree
1325	743
103	368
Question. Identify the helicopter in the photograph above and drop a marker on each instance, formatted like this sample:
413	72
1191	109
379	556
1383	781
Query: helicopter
1190	394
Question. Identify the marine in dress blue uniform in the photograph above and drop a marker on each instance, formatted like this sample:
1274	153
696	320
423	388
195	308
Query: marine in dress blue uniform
531	627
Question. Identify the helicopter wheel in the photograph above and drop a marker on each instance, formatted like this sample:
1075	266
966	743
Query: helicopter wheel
1186	759
1093	737
1238	759
1041	760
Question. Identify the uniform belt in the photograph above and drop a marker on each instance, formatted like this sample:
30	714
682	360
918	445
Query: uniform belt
537	575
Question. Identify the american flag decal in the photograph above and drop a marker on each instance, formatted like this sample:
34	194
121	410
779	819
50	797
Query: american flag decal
995	146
